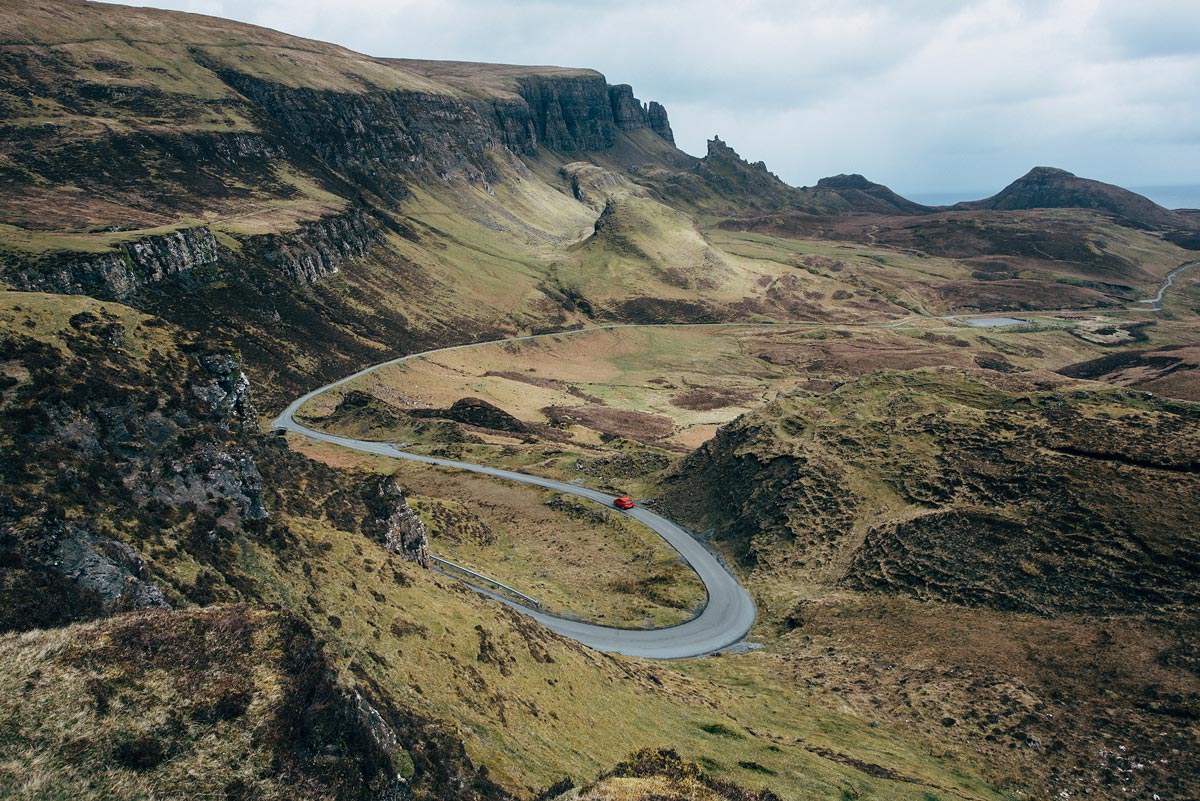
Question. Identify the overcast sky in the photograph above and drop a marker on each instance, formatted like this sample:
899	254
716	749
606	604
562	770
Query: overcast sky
923	95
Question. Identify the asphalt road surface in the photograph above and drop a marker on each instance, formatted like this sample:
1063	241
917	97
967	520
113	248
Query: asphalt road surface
725	619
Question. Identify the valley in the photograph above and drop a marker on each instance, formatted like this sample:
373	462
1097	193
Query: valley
906	556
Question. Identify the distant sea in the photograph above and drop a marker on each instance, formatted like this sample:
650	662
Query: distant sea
1172	197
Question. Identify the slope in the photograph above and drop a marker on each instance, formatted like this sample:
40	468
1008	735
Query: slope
1052	188
1024	512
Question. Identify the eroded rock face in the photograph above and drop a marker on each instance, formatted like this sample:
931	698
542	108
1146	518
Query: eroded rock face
59	571
120	274
228	394
656	118
111	569
393	523
208	478
630	114
579	112
376	139
193	256
319	248
102	461
570	113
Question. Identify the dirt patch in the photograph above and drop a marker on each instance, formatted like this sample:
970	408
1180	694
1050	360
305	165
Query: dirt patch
525	378
639	426
703	399
1170	371
660	310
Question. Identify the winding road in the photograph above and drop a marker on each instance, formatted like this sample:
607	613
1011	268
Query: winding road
726	618
729	612
1156	301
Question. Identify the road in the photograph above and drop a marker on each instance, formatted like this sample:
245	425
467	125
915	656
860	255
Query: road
729	612
1156	301
726	618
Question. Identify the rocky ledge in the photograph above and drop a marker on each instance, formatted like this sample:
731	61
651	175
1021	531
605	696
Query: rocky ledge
120	273
193	255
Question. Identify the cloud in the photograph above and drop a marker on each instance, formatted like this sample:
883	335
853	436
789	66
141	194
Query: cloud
926	95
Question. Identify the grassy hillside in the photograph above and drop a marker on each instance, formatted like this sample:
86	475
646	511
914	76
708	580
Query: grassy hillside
142	483
976	575
225	699
1014	539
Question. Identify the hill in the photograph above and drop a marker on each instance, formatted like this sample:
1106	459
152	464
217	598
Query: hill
1031	512
870	197
1051	188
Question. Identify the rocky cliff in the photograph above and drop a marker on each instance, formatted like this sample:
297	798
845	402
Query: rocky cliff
559	108
378	140
319	248
392	522
117	274
585	113
193	256
631	114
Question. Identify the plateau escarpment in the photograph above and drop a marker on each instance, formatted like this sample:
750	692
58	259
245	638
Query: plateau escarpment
553	107
254	165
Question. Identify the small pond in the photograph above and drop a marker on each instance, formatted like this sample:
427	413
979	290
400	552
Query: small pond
994	322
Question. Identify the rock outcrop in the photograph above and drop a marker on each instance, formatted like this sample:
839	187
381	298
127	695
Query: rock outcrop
119	274
749	184
228	394
392	522
318	249
106	454
630	114
656	118
56	572
192	256
724	181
